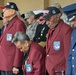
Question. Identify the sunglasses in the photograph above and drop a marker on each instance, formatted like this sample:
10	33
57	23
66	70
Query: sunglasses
41	19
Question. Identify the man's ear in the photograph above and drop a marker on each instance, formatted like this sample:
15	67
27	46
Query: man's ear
57	16
13	11
27	43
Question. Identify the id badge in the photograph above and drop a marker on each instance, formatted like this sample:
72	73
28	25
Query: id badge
56	45
9	37
28	68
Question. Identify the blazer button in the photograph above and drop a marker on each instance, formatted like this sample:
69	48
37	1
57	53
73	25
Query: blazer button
73	66
72	57
72	49
48	55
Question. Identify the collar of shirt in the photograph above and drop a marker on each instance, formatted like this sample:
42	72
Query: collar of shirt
10	21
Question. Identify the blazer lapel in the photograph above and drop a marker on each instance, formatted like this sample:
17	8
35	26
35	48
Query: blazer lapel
8	27
57	30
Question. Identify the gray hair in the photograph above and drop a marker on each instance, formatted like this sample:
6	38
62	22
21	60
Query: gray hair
21	37
17	13
60	14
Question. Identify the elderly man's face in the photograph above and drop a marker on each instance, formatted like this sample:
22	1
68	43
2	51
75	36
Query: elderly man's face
5	20
52	21
30	19
74	22
23	46
8	12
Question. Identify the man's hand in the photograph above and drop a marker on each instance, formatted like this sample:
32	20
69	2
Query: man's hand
15	70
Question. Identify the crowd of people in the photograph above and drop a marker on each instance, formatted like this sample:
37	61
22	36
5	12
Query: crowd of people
38	42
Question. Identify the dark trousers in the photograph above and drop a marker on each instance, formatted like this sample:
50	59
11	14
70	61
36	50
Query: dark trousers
0	72
10	73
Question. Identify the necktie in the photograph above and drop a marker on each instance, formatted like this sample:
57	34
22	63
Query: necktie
4	28
50	33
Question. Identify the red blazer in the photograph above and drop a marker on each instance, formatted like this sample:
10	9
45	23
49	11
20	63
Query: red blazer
36	58
59	48
10	55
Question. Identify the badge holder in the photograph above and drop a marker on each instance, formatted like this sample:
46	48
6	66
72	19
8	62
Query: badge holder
28	67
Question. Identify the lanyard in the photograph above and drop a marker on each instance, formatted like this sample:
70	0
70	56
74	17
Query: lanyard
26	56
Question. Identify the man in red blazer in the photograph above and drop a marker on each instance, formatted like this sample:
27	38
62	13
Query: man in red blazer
34	59
58	42
10	56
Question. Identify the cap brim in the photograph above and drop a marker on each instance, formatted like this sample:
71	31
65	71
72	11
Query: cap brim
75	13
6	6
2	7
72	18
38	12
